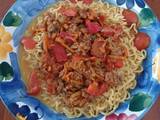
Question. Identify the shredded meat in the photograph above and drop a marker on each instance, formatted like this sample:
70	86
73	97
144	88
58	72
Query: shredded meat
78	61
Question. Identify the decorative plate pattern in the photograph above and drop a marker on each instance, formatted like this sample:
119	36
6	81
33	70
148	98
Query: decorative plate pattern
24	107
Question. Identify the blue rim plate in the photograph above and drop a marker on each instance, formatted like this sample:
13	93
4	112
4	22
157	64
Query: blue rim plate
25	107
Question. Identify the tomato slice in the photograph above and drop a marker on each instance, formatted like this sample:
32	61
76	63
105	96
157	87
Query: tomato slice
70	12
59	53
87	1
130	17
108	31
96	90
28	43
34	84
92	89
77	58
102	18
34	91
113	63
142	41
68	37
92	27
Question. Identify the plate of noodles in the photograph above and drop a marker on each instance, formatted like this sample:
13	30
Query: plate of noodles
79	59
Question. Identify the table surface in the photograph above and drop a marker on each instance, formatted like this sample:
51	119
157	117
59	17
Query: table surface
153	114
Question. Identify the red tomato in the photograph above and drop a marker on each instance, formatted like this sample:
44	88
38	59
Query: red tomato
87	1
70	12
108	31
142	41
130	17
118	63
96	90
33	81
113	63
77	58
68	37
59	53
92	27
93	89
34	91
28	43
34	84
102	18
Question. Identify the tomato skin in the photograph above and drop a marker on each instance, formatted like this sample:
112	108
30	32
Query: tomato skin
142	41
28	43
130	17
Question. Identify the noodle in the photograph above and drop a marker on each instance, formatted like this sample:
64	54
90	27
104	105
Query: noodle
109	101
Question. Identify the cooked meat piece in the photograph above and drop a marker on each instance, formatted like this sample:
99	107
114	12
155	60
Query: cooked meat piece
99	48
